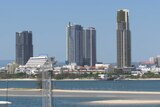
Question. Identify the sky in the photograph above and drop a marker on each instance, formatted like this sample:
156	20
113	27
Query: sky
47	19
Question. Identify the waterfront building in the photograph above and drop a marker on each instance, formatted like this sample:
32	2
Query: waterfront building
155	60
89	46
74	44
24	47
123	39
36	65
40	61
11	67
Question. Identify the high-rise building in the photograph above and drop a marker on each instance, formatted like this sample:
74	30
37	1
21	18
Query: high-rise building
75	44
89	46
81	45
24	47
123	39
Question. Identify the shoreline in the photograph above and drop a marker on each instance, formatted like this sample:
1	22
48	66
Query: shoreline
123	102
143	79
84	91
26	79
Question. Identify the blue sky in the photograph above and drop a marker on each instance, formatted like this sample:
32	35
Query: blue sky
47	19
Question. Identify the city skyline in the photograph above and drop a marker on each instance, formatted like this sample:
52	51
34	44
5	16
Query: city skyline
47	19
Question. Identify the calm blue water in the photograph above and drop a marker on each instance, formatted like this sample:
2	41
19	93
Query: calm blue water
122	85
127	85
3	63
63	102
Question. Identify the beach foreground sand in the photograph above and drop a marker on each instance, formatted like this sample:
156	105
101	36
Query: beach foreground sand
104	97
113	92
123	102
83	91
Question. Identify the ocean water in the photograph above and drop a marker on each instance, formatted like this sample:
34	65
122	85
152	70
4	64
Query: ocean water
4	63
63	102
125	85
118	85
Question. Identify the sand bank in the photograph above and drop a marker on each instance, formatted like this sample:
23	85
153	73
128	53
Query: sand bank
84	91
112	92
123	102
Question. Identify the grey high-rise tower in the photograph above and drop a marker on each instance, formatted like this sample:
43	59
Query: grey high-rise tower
75	44
24	47
123	39
89	39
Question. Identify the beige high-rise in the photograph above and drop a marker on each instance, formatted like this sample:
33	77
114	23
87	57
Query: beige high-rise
123	39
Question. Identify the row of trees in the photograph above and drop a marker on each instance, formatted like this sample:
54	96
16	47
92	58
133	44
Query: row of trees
85	75
4	75
66	75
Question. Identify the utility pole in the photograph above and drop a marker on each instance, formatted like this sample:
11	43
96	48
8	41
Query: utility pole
47	88
47	70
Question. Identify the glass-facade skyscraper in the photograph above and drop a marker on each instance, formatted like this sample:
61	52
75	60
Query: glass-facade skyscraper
123	39
89	42
75	44
81	45
24	47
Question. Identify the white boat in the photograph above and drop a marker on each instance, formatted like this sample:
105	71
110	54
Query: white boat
4	102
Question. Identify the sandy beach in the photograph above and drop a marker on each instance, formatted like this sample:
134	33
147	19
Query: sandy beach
110	97
123	102
83	91
111	92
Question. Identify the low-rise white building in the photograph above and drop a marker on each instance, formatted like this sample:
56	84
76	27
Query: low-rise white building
102	66
144	68
136	73
72	66
36	64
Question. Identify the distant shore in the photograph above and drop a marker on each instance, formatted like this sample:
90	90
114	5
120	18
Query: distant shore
143	79
28	79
